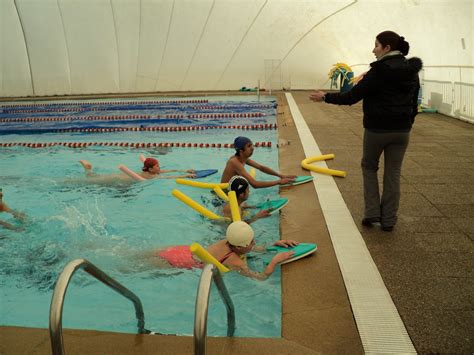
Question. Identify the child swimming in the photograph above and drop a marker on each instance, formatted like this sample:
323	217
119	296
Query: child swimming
236	166
229	251
240	185
5	209
151	161
150	170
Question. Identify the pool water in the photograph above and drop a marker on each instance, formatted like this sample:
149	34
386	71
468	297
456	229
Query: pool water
115	226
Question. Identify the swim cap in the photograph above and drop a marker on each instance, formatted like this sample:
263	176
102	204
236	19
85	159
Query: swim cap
149	163
240	142
239	234
238	184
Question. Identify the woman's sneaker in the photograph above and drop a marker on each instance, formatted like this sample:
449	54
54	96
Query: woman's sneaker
369	222
387	228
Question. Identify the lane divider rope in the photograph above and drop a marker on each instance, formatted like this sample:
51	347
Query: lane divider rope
166	129
127	144
225	107
148	102
132	117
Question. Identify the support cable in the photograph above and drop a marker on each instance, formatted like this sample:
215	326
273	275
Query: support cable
240	44
197	45
304	35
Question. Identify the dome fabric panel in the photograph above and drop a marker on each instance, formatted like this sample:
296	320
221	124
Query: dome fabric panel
65	47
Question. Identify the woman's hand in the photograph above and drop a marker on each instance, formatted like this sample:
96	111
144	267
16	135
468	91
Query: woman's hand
317	96
286	243
191	171
192	176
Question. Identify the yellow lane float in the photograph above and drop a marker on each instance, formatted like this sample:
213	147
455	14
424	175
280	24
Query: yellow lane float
202	185
205	257
196	206
305	164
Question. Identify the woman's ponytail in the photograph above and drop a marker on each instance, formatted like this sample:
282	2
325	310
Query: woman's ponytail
403	46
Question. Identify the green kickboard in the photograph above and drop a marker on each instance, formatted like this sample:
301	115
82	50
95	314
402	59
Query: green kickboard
301	250
273	205
302	179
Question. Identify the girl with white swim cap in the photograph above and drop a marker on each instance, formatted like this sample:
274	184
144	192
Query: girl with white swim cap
229	252
240	241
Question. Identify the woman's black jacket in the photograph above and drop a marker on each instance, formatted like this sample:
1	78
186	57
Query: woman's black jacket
390	92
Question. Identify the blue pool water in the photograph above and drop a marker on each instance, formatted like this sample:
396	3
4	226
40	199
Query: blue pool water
113	226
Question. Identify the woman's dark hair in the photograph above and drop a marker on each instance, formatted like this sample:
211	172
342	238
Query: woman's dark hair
396	42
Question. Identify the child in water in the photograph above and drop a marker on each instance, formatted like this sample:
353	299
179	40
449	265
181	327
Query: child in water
151	170
240	185
5	209
229	251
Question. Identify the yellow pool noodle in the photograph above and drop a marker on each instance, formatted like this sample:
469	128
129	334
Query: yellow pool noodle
196	206
306	165
319	158
204	255
234	206
252	172
202	185
221	193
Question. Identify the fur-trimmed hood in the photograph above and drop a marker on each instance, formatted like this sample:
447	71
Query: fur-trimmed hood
415	63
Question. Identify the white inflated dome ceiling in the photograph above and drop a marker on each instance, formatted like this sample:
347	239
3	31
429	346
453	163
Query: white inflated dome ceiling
63	47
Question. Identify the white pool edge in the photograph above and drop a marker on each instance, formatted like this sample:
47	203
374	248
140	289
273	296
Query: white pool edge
380	327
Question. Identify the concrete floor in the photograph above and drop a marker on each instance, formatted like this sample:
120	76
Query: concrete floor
426	262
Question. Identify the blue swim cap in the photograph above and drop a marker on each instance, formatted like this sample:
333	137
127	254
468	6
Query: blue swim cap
240	142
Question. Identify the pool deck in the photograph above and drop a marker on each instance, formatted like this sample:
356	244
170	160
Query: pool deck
426	263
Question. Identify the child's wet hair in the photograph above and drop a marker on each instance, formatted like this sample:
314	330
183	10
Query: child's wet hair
239	184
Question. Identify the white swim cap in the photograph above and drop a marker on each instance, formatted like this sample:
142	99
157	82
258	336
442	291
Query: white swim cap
239	234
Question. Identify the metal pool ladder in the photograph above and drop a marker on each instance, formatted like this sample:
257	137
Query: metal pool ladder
210	273
57	302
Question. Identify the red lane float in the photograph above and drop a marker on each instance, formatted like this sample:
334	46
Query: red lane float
76	118
129	117
115	103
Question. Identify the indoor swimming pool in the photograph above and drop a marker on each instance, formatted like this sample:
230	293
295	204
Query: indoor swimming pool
115	225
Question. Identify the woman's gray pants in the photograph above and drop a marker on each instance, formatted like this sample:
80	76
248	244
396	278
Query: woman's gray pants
393	145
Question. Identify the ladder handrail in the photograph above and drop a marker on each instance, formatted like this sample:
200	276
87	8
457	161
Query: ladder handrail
57	301
210	273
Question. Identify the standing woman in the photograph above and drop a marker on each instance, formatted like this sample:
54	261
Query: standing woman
390	92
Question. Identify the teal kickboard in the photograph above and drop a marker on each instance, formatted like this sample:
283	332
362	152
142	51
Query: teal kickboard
273	205
301	250
204	173
300	180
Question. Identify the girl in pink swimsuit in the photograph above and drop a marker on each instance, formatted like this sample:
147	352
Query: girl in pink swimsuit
181	257
239	241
